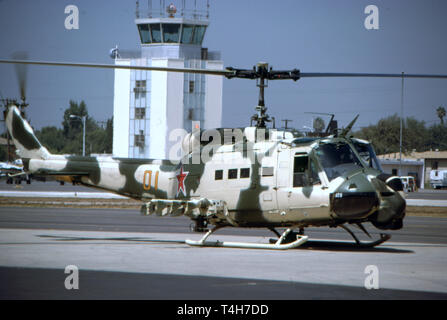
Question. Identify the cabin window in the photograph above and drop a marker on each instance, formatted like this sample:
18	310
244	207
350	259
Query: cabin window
232	174
299	170
218	175
245	172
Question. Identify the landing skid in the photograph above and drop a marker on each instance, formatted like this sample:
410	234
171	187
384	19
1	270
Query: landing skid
278	245
383	237
287	240
357	244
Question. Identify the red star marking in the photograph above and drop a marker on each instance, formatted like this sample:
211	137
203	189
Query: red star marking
181	177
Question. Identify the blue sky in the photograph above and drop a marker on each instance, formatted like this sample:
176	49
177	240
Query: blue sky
313	36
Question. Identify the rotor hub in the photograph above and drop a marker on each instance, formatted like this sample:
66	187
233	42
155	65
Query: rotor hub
262	74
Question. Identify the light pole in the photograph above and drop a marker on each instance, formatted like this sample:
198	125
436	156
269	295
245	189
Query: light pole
401	120
72	116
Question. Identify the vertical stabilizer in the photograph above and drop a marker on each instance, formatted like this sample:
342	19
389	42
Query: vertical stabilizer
23	137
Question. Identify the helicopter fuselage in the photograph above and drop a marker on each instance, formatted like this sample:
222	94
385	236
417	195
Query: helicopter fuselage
272	179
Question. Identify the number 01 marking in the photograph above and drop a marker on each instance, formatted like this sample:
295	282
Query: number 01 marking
147	180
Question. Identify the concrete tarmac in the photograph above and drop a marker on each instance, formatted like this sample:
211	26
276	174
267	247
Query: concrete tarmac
122	255
54	186
416	229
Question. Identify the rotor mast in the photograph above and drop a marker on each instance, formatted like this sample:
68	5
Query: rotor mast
262	74
261	117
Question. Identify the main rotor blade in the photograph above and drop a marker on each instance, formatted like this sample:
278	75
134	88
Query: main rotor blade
21	72
230	72
117	66
369	75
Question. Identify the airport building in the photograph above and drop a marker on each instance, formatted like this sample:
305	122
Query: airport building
150	105
416	164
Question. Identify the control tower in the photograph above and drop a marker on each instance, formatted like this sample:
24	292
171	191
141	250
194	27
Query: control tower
149	105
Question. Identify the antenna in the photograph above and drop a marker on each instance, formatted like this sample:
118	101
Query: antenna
207	9
286	121
195	9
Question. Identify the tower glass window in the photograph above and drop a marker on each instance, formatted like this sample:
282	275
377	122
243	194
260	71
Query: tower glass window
187	33
171	32
156	33
140	89
199	32
140	113
139	139
145	36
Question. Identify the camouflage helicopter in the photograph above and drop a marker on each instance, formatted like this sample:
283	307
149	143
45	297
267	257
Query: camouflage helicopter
253	177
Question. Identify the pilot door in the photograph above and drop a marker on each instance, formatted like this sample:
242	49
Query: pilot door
299	187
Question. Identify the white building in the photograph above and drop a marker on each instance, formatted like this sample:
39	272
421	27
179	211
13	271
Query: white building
416	164
407	167
149	105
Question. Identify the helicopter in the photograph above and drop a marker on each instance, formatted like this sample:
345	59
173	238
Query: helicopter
253	177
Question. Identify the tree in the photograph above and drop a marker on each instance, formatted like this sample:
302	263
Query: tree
72	126
415	135
385	135
68	139
108	143
441	114
52	138
437	137
319	125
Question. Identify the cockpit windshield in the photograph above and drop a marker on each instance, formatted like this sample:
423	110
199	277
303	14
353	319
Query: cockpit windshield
366	151
337	159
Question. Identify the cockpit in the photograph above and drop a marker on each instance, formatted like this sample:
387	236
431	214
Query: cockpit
366	151
337	159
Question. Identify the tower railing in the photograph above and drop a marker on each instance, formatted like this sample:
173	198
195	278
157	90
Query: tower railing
166	11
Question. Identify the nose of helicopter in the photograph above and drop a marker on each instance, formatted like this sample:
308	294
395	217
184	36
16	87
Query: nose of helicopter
377	198
355	198
391	212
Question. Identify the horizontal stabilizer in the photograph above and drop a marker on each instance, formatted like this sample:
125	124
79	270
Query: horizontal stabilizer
60	173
